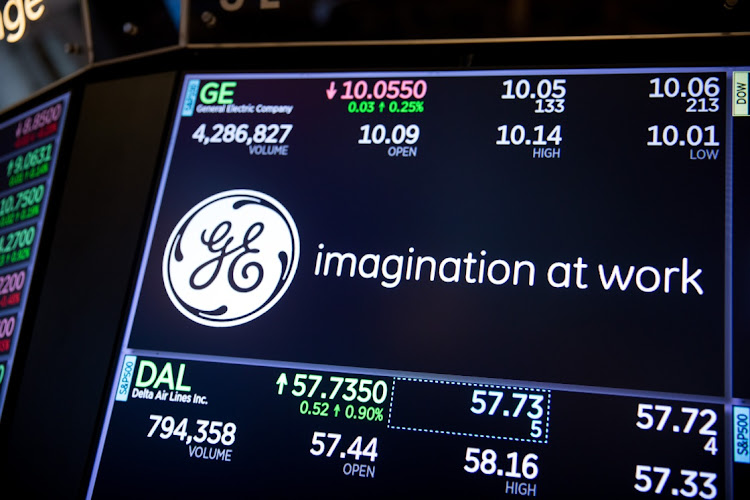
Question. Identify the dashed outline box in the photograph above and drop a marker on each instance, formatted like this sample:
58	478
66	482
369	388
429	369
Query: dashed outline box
468	434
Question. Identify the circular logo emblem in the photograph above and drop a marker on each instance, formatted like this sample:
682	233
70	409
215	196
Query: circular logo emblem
231	258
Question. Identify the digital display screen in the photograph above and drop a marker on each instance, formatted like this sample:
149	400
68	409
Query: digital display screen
515	283
29	145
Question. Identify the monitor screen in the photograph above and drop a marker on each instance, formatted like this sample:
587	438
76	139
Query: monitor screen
29	145
506	282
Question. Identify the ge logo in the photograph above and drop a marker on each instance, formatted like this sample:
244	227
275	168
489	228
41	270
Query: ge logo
231	258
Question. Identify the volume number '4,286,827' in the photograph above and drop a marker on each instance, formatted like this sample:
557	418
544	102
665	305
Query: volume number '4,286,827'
274	133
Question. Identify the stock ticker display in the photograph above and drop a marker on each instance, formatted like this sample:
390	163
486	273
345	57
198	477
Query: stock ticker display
29	145
506	283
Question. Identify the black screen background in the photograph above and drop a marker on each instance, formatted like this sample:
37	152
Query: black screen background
610	199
